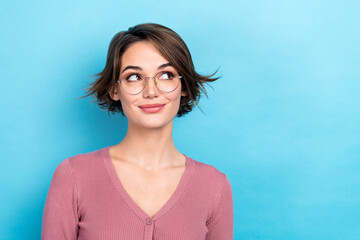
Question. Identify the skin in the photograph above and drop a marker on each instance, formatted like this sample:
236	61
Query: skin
147	162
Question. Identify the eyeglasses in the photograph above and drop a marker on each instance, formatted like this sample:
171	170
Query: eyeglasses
135	83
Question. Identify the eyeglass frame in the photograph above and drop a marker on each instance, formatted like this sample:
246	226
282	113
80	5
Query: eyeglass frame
145	84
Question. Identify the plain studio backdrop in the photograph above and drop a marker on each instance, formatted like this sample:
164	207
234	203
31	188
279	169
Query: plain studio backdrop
282	123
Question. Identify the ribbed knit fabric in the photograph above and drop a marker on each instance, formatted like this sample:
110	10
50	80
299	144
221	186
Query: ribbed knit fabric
87	201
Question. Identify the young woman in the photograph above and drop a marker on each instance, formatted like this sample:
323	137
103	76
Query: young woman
142	187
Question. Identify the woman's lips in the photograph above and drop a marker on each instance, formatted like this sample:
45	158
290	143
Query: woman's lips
152	109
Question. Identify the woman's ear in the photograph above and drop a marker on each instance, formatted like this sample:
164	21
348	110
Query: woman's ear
184	93
113	92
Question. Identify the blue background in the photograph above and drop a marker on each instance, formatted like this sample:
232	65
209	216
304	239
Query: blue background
282	123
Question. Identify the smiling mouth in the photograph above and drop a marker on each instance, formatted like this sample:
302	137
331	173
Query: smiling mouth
152	109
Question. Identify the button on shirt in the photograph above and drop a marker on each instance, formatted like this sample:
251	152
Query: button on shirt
148	221
87	201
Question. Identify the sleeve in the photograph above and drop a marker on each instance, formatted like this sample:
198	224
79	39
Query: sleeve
221	224
60	216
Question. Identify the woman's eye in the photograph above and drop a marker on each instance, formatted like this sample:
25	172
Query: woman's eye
167	75
133	77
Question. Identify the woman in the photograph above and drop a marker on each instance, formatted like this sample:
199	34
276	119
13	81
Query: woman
142	187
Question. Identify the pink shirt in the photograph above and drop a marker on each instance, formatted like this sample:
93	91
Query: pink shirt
86	201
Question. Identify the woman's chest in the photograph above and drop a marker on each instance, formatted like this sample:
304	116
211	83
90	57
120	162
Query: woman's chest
106	208
150	191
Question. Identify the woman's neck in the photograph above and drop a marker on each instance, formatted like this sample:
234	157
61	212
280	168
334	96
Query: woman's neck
150	148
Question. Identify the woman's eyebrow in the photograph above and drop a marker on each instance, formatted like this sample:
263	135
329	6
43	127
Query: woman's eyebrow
139	68
164	65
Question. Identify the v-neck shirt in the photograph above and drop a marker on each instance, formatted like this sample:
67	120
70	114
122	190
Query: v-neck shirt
86	200
131	203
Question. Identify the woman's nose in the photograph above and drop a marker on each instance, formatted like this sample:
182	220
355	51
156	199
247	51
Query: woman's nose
150	86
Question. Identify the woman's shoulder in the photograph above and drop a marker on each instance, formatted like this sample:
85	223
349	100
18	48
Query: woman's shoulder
209	174
208	169
85	160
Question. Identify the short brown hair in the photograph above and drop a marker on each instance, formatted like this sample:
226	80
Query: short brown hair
170	45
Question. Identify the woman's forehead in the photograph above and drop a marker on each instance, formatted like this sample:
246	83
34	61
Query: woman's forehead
143	55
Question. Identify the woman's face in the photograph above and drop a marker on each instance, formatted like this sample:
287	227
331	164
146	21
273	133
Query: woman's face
147	59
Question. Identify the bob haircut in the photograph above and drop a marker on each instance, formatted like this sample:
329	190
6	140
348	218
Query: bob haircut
170	45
